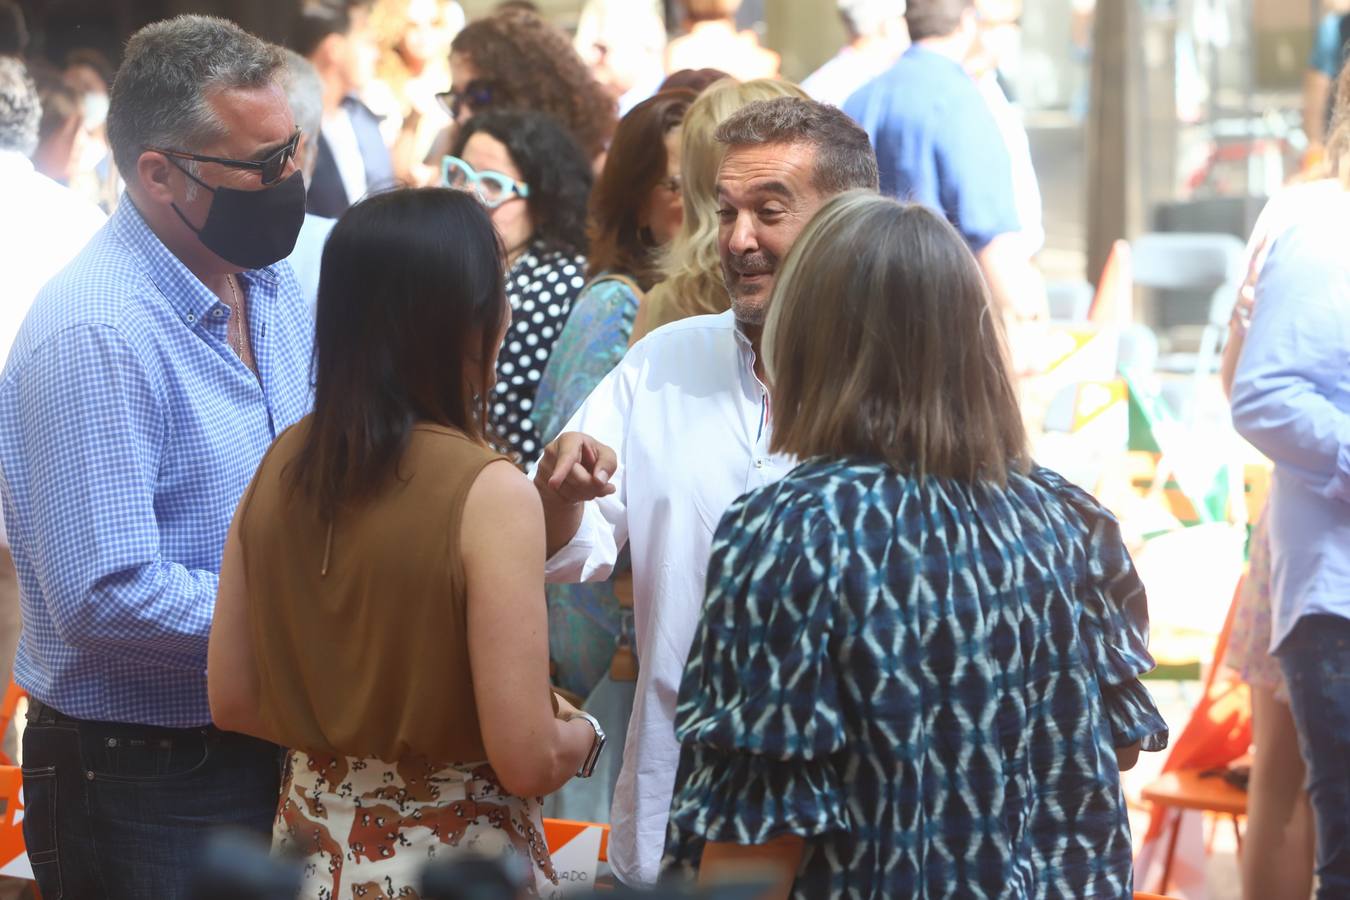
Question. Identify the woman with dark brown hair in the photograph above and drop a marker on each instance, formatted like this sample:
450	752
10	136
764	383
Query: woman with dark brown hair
917	671
515	60
381	606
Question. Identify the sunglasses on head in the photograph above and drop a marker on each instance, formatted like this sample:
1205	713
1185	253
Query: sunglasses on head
478	94
270	168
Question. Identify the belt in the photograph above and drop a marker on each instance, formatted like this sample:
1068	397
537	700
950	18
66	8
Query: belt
40	713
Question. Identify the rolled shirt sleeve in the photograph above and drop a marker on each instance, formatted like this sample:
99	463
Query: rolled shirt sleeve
593	551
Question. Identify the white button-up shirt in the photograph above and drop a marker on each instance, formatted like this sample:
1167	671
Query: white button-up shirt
689	421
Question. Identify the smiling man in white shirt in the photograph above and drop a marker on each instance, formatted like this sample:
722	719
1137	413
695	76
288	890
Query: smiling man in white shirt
680	429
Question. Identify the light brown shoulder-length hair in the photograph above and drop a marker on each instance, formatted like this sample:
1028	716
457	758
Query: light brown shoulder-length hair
635	164
881	342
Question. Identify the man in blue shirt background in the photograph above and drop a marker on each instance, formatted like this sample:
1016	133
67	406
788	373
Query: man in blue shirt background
142	390
1291	400
938	144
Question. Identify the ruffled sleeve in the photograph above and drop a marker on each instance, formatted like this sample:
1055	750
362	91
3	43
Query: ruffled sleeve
759	711
1114	621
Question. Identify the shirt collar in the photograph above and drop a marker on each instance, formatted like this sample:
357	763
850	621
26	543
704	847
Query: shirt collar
743	345
14	162
933	57
184	291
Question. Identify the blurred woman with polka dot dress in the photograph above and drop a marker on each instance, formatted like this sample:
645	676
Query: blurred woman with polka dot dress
535	181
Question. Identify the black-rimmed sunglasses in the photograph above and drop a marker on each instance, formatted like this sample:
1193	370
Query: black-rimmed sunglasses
271	168
478	94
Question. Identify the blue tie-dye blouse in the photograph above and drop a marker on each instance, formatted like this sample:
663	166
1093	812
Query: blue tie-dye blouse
926	679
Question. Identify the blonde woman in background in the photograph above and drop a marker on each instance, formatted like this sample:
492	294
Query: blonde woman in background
693	264
414	38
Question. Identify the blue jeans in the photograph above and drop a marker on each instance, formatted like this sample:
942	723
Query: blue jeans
120	811
1316	662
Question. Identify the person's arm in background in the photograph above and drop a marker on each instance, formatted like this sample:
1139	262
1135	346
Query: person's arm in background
532	752
1323	66
1293	379
1316	95
92	431
978	196
1240	319
1014	281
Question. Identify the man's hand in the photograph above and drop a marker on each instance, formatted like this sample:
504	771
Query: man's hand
574	468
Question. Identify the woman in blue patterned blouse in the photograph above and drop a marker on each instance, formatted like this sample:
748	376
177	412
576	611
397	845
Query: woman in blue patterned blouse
918	669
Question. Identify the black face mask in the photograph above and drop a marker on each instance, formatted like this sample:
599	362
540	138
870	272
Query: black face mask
253	229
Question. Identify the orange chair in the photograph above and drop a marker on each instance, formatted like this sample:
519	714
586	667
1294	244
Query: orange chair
1218	733
1190	789
8	707
13	856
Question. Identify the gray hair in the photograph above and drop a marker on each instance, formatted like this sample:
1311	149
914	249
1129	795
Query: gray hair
844	157
20	109
304	92
866	17
161	96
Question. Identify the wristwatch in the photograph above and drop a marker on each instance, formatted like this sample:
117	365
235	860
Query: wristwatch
588	764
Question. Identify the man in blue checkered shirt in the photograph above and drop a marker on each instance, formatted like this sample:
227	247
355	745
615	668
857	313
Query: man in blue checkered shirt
142	390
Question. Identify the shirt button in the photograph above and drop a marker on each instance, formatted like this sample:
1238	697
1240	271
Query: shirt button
218	313
759	464
191	318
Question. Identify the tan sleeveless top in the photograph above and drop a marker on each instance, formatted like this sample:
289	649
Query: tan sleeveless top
372	658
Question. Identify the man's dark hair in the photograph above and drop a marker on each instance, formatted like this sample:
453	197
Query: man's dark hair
844	157
315	23
934	18
13	29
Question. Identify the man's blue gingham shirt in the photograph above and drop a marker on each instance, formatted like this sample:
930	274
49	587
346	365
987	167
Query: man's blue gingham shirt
128	432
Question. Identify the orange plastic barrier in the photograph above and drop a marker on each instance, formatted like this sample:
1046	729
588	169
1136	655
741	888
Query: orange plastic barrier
13	856
559	831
